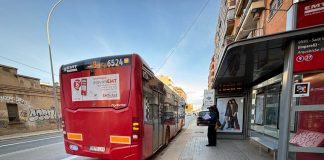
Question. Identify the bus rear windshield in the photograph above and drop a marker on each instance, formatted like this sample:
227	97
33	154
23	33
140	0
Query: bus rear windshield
96	87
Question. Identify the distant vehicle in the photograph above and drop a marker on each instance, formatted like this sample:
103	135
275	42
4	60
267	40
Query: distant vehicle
115	108
200	119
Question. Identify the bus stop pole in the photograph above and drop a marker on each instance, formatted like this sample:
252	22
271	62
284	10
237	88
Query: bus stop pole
52	71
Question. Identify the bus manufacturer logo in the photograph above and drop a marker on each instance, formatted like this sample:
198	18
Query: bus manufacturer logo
71	68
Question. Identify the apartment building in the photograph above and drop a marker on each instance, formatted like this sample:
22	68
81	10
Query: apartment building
244	19
271	69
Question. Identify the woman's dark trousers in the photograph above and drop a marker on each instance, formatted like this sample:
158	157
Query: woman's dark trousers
211	135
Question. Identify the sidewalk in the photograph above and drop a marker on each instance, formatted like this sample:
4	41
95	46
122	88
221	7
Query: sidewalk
190	145
20	135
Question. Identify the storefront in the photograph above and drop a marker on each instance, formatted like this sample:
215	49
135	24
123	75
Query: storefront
278	81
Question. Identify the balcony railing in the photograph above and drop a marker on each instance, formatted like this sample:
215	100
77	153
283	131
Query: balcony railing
246	9
228	40
256	33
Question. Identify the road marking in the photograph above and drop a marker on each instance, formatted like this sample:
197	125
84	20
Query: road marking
31	149
28	141
69	158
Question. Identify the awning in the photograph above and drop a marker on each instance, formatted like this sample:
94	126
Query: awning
249	62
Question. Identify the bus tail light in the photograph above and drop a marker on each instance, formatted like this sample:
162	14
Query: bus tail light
75	136
136	130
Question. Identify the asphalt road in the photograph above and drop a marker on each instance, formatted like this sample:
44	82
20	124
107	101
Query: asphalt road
43	147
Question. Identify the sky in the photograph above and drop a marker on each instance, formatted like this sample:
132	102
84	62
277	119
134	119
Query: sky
174	37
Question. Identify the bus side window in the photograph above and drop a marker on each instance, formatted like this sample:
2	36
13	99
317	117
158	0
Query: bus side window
148	110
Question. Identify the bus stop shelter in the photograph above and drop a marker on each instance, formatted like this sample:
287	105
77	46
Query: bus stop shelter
249	62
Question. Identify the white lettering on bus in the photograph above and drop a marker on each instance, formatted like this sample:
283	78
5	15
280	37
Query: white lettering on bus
70	68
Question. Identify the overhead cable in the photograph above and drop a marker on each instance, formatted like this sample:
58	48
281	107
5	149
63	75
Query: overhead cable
173	49
26	65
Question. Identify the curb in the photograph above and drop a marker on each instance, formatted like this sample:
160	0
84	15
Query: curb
27	134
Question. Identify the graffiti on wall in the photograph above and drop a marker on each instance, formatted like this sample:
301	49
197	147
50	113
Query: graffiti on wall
18	100
3	124
23	114
41	114
35	113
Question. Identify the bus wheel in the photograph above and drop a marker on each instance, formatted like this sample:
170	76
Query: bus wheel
167	136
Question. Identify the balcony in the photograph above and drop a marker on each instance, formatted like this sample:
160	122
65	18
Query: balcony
240	5
249	18
256	33
230	21
228	40
231	3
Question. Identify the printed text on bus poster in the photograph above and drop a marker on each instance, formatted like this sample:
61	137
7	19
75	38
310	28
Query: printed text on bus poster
105	87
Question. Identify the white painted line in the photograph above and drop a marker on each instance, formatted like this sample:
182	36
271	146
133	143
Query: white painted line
28	141
69	158
28	150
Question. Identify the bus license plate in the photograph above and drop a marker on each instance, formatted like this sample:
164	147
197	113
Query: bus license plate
97	149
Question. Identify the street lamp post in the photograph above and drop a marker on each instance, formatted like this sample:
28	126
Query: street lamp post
50	54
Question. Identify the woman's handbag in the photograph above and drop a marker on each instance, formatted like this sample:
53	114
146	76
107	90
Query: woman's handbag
218	125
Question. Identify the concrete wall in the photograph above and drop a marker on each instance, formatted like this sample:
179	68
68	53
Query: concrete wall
34	102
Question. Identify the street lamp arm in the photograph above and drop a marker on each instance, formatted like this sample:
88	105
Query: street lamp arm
52	71
48	21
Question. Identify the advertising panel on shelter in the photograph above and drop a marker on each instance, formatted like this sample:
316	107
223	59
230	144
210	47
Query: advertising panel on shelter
209	97
230	114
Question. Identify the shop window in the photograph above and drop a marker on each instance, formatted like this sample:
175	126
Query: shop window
259	109
13	114
308	131
266	100
272	106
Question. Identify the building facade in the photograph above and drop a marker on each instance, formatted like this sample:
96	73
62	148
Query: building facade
26	105
271	74
245	19
189	108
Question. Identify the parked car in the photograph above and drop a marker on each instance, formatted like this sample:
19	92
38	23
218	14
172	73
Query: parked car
200	119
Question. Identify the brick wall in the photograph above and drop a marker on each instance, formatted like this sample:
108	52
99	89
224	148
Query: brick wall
278	20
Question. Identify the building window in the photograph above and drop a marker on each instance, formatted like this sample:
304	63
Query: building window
274	6
13	114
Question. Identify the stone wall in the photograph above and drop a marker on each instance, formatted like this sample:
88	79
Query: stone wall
30	102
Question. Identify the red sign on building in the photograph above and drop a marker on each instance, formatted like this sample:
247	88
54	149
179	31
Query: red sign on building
310	13
309	54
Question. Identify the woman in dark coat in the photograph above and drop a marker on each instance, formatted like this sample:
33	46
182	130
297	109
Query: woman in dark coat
212	134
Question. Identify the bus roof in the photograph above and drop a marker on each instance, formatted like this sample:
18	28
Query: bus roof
100	62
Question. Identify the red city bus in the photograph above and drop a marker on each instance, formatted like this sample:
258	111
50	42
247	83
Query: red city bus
115	108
